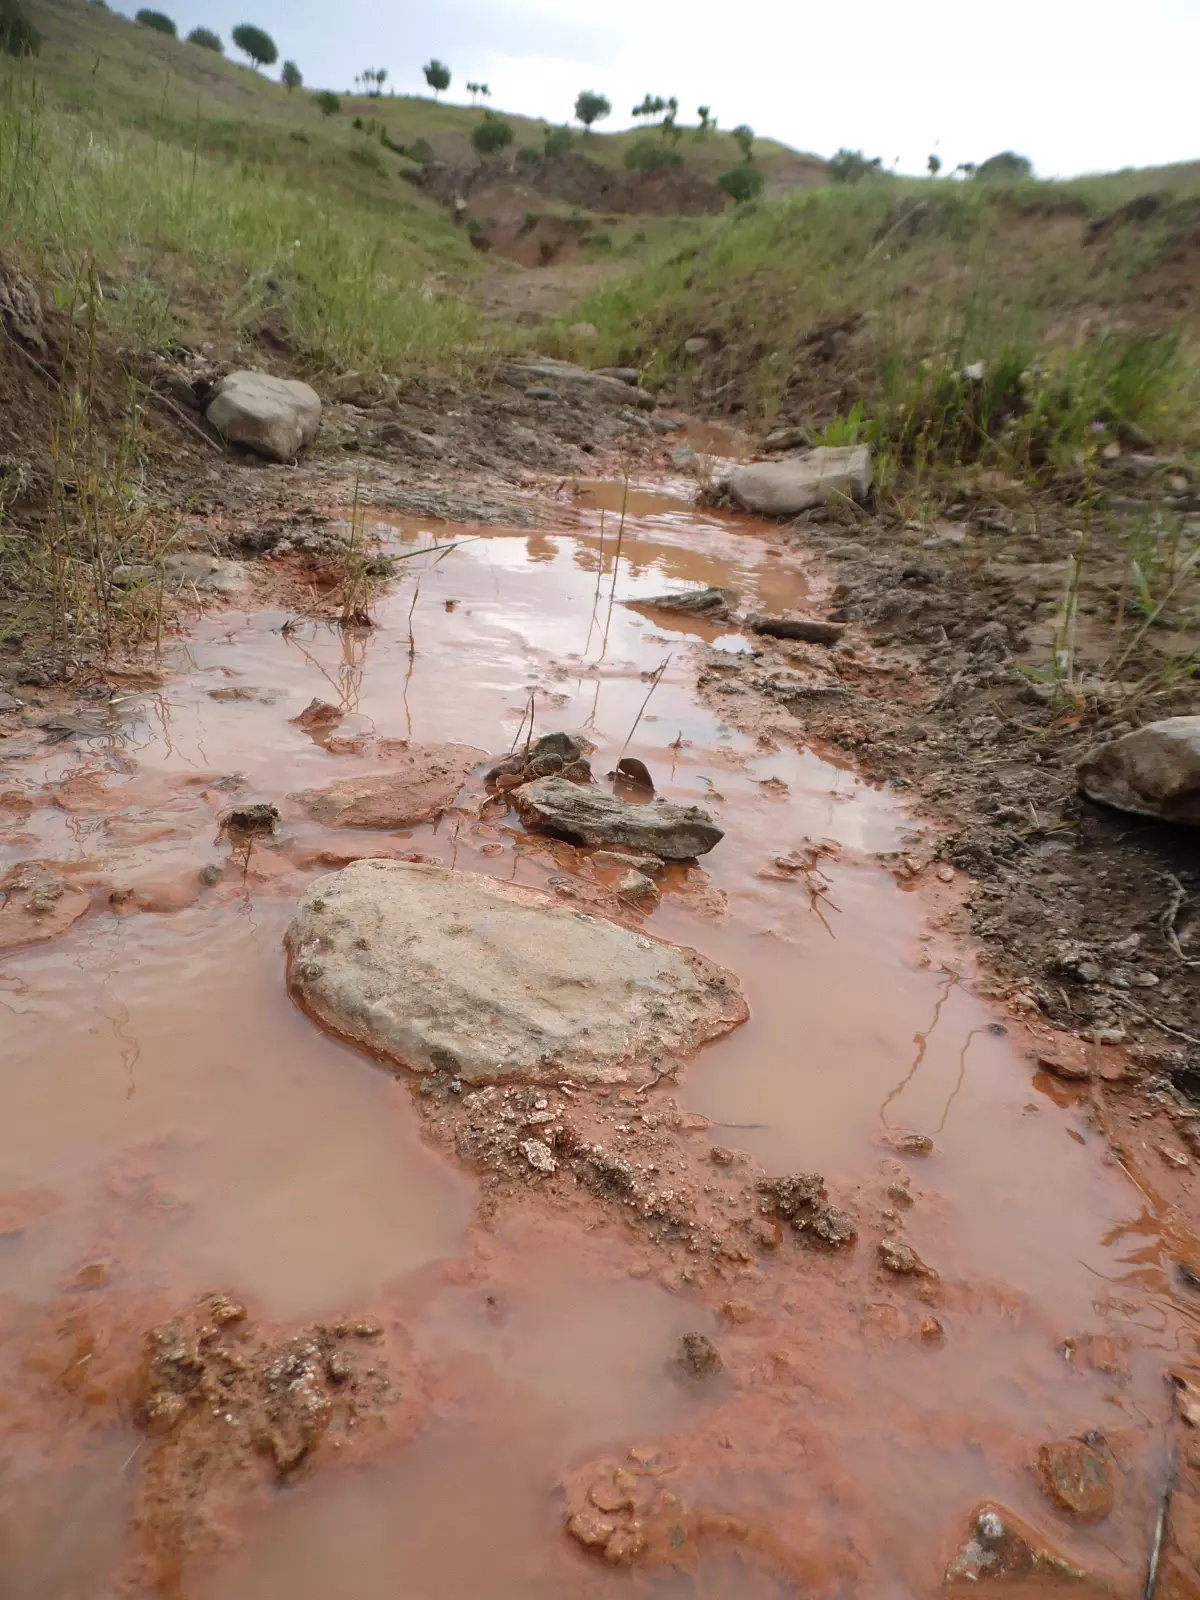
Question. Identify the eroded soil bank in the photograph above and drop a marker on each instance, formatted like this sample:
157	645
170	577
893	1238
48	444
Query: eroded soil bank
429	1357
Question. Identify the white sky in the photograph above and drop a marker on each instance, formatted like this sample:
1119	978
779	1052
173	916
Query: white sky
1077	85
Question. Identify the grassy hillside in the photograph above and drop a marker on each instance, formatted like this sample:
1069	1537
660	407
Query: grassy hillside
941	319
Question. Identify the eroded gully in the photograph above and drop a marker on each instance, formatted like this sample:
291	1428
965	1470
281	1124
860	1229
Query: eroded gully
171	1124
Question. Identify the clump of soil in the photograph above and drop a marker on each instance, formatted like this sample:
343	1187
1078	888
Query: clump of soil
231	1405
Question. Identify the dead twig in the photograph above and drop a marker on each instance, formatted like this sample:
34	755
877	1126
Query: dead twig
1176	1033
1167	921
1160	1529
654	685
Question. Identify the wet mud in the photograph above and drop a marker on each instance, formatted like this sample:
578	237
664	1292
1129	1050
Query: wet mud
640	1362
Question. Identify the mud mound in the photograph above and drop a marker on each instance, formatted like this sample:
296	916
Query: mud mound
576	180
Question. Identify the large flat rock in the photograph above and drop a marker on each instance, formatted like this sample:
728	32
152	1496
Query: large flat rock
798	483
1153	771
590	817
449	972
422	782
274	417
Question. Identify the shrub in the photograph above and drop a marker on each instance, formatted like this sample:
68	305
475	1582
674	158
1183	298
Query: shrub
851	166
491	135
592	107
357	124
742	183
328	103
256	44
600	240
207	40
421	150
437	75
557	141
18	36
158	20
367	156
527	156
648	155
1006	165
290	76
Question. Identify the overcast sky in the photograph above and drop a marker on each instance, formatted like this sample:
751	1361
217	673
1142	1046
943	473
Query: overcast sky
1077	85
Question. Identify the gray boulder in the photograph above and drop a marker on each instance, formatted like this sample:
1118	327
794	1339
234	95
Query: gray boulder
1153	771
488	980
274	417
588	817
797	483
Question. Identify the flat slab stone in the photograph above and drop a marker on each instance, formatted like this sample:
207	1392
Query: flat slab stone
1153	771
422	782
798	483
590	817
485	980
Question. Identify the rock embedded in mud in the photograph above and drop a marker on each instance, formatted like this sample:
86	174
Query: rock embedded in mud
274	417
619	861
899	1258
37	903
318	713
247	821
448	972
422	783
807	629
698	1355
911	1144
1001	1547
637	886
798	483
1077	1476
1153	771
584	817
693	602
546	757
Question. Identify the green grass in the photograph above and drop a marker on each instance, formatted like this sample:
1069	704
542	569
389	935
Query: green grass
881	295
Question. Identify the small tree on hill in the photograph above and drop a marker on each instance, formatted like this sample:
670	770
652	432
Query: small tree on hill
935	165
491	135
592	107
708	122
668	127
437	76
1007	165
651	106
328	103
744	135
851	166
18	36
256	44
207	40
742	183
557	141
290	76
157	20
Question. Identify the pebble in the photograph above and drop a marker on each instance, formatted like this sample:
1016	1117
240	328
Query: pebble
1076	1475
538	1155
898	1257
911	1144
1072	1071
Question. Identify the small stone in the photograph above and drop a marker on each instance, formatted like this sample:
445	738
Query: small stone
898	1193
931	1331
617	861
252	819
1077	1477
1070	1071
833	1227
911	1144
737	1311
637	886
538	1155
720	1157
224	1310
898	1257
590	1529
210	875
946	874
698	1355
625	1545
318	714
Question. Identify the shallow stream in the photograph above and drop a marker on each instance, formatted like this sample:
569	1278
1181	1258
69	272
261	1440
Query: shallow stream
166	1112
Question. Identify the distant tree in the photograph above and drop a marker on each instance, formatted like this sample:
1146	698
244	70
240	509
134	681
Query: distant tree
491	135
557	141
373	80
256	44
289	76
851	166
935	165
742	183
206	39
328	103
591	107
668	128
651	106
422	151
1006	165
18	36
707	121
437	76
743	137
473	91
157	20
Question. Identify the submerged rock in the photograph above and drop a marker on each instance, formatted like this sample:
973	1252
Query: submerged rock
808	629
1077	1476
798	483
1153	771
1001	1548
486	980
693	602
422	783
698	1355
587	817
274	417
37	903
553	753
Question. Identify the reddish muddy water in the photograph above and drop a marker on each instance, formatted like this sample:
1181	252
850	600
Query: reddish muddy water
165	1110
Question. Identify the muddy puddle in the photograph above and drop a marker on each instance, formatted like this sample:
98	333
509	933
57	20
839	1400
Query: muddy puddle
171	1125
